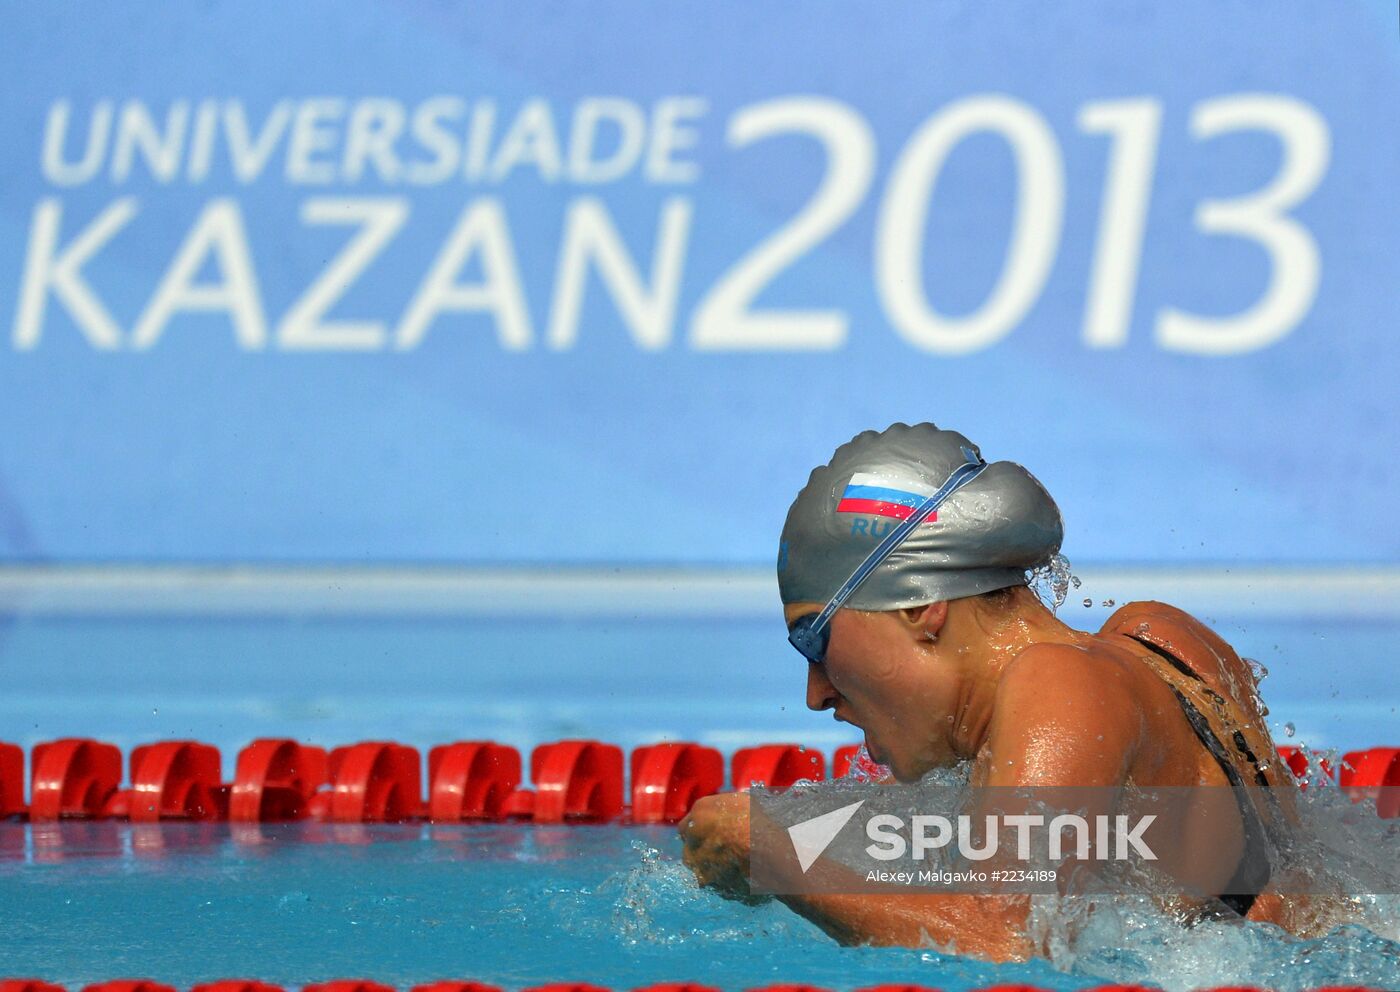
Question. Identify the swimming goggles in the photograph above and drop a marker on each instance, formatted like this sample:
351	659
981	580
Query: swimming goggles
811	634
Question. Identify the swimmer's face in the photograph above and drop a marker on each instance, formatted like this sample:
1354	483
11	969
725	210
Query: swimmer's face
883	675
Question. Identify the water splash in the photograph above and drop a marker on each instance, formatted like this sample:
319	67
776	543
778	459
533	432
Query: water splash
658	902
1339	848
864	768
1053	581
1127	940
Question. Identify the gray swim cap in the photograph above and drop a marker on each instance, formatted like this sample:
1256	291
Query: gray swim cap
983	537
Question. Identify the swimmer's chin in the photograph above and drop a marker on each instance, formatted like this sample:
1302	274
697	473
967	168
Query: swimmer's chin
878	756
908	774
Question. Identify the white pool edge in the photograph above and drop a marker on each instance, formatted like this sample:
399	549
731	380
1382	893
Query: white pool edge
1355	593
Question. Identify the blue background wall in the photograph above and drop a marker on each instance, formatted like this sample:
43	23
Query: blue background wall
195	442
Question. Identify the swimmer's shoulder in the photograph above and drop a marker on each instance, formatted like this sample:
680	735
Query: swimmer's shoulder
1171	629
1088	674
1089	661
1193	643
1068	714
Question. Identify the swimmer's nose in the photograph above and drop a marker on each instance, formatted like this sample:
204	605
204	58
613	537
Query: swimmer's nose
821	695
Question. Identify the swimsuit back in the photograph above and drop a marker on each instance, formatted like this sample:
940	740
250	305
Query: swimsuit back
1208	680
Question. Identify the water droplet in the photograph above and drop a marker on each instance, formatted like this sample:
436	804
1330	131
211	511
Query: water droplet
1108	602
1051	582
1088	603
1289	730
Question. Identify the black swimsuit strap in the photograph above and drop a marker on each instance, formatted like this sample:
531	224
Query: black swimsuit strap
1252	873
1254	869
1202	726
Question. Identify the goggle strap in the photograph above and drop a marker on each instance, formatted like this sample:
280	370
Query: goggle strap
961	476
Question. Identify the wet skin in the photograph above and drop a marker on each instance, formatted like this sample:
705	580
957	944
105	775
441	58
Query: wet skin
1030	701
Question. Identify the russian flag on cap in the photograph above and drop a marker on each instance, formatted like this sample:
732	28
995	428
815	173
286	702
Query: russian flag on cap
881	496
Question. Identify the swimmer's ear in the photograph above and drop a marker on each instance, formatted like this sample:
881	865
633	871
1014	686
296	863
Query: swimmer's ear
924	622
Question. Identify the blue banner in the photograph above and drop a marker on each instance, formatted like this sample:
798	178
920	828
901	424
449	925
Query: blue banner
602	282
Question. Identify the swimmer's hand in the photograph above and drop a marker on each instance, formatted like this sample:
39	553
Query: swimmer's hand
718	833
716	836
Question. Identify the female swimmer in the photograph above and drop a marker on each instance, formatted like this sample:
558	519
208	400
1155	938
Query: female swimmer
922	632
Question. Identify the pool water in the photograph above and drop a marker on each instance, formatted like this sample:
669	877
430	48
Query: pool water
516	905
513	904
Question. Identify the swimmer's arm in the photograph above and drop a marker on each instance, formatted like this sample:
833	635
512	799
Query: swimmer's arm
988	926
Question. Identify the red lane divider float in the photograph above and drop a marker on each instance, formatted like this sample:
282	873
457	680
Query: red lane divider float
1365	772
73	778
371	782
176	780
1373	776
381	781
11	781
470	780
1299	762
574	780
668	778
275	781
775	765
